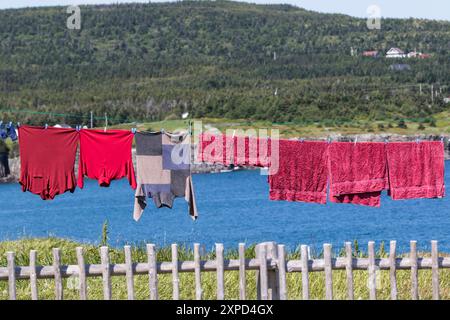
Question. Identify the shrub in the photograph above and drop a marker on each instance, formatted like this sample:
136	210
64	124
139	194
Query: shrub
402	124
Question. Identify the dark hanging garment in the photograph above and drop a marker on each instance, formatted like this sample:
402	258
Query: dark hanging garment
163	171
3	132
4	165
47	159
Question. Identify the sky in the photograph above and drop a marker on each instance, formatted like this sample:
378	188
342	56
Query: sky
429	9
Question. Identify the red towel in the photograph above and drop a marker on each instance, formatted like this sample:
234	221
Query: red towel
106	156
47	159
252	151
302	172
215	148
416	169
357	172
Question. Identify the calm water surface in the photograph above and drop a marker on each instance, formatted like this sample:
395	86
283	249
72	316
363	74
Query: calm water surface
233	207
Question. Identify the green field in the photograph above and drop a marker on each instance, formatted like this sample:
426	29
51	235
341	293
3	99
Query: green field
437	125
119	291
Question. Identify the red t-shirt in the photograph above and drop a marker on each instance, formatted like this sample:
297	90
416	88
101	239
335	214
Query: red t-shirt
47	159
106	156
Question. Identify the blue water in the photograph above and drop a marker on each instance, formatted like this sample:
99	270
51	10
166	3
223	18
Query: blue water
234	207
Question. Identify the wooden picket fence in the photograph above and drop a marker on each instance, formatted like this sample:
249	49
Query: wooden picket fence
270	264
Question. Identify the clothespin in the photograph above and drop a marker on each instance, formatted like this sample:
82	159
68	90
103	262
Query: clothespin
386	140
162	130
417	140
442	138
356	139
329	139
78	128
133	130
234	133
301	139
46	126
18	124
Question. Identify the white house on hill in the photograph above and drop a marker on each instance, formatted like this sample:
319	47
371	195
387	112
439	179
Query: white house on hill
395	53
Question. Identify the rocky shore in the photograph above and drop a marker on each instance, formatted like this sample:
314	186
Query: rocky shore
216	168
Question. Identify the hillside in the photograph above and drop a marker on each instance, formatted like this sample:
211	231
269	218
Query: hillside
279	63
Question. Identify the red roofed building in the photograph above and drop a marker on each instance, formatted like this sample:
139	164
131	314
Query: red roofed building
373	54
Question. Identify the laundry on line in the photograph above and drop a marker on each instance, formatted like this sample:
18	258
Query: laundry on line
356	172
300	171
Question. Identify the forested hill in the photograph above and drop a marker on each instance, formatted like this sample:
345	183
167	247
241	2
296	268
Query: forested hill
216	59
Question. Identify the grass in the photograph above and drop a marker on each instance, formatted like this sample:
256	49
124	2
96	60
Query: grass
317	281
440	126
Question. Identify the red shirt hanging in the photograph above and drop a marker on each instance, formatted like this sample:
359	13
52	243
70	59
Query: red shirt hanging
106	156
47	159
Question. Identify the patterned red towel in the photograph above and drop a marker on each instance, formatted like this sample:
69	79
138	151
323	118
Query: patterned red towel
357	172
252	151
302	172
215	148
416	169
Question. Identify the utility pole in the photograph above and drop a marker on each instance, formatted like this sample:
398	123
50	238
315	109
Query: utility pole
432	94
92	119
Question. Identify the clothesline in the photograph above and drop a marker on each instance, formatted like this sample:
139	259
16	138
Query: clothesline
47	158
357	172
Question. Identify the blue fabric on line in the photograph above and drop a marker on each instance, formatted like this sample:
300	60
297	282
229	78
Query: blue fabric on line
11	131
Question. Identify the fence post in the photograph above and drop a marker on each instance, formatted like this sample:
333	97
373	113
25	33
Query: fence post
272	274
81	273
220	271
435	268
304	256
393	269
129	272
57	274
11	275
242	275
414	271
106	272
328	268
152	271
33	275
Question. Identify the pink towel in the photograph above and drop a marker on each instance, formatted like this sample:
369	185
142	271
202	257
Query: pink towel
215	148
302	172
357	172
251	151
416	169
